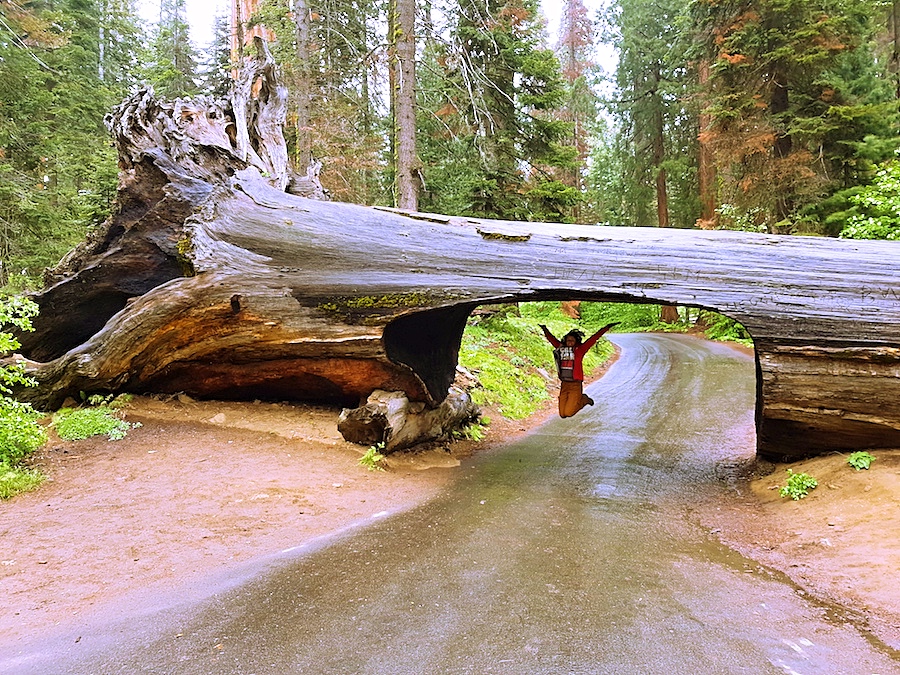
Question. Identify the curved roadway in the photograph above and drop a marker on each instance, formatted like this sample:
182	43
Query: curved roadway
573	551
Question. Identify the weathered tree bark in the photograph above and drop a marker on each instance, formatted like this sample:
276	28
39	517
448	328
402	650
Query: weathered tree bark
403	103
211	281
391	418
303	87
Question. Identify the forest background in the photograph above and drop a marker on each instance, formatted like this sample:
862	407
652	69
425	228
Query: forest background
776	116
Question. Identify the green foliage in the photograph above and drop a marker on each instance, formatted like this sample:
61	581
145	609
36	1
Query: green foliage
860	460
798	485
473	432
631	318
800	103
173	63
74	424
57	167
877	207
372	459
14	480
720	327
491	141
655	145
20	433
733	218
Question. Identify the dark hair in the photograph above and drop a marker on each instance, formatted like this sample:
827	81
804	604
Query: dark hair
577	334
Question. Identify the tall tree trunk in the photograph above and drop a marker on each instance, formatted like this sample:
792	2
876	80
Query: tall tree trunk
659	156
895	55
303	88
667	313
706	170
783	145
403	98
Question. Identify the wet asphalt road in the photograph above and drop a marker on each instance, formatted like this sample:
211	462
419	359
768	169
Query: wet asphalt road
573	551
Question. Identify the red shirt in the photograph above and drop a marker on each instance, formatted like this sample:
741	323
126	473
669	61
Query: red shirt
580	351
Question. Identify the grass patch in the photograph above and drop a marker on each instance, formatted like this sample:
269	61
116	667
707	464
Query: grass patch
17	479
75	424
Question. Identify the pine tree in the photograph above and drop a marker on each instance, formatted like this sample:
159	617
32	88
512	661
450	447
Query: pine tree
499	91
173	69
574	47
793	93
217	68
334	84
59	75
657	129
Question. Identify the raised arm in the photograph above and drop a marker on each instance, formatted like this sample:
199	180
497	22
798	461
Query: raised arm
550	337
591	341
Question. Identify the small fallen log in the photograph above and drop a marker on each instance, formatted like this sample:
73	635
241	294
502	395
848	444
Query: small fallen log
392	419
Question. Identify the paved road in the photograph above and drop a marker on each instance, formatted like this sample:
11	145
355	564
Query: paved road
572	552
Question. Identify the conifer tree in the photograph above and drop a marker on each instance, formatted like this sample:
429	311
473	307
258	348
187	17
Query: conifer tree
657	131
173	69
793	93
59	75
574	48
499	91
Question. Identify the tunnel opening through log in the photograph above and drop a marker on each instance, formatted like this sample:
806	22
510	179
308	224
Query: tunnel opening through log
502	341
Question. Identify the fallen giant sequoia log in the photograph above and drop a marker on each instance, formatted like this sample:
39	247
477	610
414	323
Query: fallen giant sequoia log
213	281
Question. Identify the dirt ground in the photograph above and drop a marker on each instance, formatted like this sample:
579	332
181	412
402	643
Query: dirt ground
203	486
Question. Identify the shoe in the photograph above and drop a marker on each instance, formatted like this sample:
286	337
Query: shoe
590	401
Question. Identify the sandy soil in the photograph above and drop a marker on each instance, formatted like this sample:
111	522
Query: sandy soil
204	486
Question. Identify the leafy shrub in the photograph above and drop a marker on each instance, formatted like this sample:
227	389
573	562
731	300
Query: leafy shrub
472	432
860	460
14	480
20	433
720	327
372	459
73	424
878	207
798	485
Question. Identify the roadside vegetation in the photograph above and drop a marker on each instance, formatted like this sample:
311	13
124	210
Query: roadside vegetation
101	417
22	428
20	431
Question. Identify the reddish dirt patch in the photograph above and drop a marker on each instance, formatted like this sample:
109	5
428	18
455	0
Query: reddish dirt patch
841	543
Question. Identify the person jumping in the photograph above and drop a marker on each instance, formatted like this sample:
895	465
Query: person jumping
569	355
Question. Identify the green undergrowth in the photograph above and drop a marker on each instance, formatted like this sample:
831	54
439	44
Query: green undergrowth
102	417
20	430
504	347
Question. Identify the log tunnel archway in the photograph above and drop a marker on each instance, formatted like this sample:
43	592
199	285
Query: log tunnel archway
429	343
211	281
